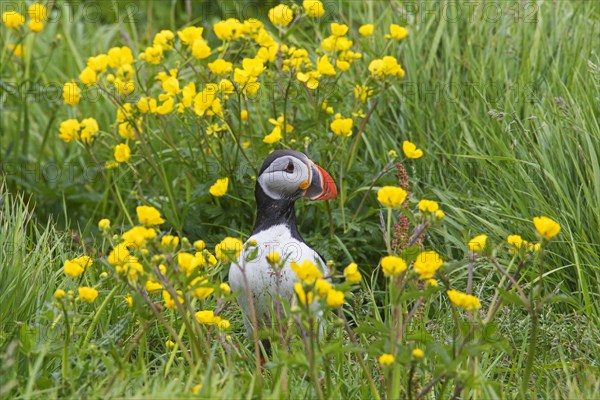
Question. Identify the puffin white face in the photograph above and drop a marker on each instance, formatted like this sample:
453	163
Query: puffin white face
287	177
289	174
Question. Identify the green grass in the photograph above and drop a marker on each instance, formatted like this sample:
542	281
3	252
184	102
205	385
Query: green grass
505	108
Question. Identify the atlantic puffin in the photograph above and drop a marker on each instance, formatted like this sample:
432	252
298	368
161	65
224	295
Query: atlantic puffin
284	177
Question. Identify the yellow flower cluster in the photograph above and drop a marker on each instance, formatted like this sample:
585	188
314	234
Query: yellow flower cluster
229	249
427	264
37	13
77	266
208	317
463	300
392	265
516	242
85	130
391	196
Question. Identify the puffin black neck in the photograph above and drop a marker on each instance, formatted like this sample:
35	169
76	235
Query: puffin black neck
271	212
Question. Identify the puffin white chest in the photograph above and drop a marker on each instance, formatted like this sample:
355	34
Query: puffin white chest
265	284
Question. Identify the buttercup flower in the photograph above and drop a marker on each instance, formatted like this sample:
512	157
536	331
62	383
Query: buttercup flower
387	66
122	152
313	8
281	15
428	206
418	353
352	274
464	300
89	130
546	227
341	126
71	93
338	29
386	359
220	67
273	258
303	296
410	150
59	294
199	245
225	289
391	196
477	244
397	32
322	288
307	271
169	242
148	215
88	76
18	50
119	56
427	263
72	269
219	188
69	130
207	317
366	30
12	19
392	265
229	249
87	294
335	298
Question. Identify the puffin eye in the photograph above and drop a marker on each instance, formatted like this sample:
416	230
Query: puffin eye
289	168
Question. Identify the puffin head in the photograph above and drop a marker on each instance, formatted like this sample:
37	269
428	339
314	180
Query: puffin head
289	175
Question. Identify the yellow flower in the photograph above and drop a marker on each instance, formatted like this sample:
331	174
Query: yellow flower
89	130
69	130
225	289
397	32
205	99
431	282
72	268
18	50
223	324
366	30
464	300
428	206
98	63
439	214
196	389
335	298
88	294
391	196
253	66
516	241
281	122
477	244
219	188
119	255
71	93
307	271
199	245
303	296
59	294
342	126
229	249
410	150
35	26
171	85
244	115
129	300
169	242
207	317
148	215
387	66
324	66
200	291
546	227
281	15
147	105
188	262
200	49
169	344
190	34
169	301
153	286
274	136
220	67
392	265
12	19
164	39
152	55
427	263
228	29
313	8
352	274
273	257
122	152
418	353
362	92
119	56
386	359
37	12
136	236
88	76
322	288
338	29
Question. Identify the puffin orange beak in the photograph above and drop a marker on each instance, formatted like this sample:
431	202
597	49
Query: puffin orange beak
322	186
